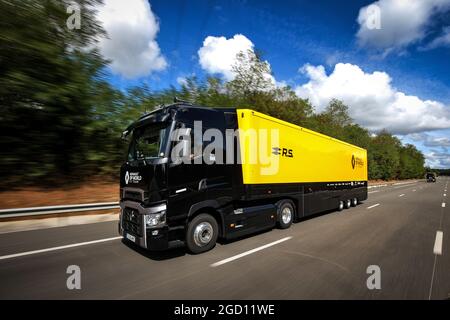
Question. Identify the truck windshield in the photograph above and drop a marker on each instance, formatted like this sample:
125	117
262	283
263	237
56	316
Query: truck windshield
149	142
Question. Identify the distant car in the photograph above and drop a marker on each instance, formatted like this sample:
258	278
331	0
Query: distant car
431	177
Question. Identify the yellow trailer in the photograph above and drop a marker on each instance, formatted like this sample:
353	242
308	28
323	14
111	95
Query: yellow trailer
279	158
300	155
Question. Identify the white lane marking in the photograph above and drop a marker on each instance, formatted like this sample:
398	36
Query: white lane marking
432	278
373	191
401	195
27	253
438	243
443	204
375	205
414	190
445	194
219	263
377	186
404	185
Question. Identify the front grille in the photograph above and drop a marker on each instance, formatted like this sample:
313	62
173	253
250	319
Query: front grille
131	221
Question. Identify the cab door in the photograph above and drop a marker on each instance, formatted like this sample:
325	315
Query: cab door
184	176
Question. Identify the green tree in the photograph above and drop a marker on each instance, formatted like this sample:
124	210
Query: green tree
332	120
47	78
411	162
356	135
384	159
252	75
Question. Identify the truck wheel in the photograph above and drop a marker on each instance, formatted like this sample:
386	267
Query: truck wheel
354	202
285	214
202	233
341	206
348	203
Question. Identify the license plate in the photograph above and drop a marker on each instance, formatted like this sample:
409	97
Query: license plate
130	237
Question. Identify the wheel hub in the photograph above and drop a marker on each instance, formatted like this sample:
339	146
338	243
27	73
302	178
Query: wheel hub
286	215
203	234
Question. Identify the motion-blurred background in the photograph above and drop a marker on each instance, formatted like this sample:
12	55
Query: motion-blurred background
61	117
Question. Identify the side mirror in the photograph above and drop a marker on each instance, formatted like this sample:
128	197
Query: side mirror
124	135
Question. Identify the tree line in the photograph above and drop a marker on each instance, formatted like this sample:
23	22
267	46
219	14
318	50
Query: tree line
61	119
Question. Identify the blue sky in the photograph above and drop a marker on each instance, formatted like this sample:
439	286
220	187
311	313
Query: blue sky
404	65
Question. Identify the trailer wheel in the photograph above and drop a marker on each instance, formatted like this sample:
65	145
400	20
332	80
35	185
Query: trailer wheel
285	213
354	202
341	206
202	233
348	203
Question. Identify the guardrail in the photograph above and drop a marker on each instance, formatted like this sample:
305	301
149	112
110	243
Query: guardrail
393	184
35	211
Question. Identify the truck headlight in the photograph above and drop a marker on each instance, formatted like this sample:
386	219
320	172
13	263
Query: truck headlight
155	219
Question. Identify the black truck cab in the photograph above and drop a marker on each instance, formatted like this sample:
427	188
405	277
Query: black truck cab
158	197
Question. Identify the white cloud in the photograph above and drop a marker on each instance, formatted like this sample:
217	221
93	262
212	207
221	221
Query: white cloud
372	101
182	81
441	41
218	55
429	140
131	45
435	159
402	22
184	78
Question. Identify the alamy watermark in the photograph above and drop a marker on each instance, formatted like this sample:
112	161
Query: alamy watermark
73	282
374	280
213	146
74	20
373	17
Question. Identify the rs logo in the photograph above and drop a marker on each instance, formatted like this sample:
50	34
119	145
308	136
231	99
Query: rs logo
283	151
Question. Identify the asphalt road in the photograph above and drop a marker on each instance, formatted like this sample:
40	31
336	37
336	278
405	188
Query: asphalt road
325	257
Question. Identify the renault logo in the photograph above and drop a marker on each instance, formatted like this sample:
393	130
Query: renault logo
127	177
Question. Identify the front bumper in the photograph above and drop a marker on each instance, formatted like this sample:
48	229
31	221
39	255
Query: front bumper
148	240
156	238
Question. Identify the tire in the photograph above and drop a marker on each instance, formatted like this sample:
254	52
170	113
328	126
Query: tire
202	233
341	206
285	213
354	202
347	203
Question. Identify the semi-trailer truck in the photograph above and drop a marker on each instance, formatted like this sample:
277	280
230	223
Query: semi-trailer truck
166	202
